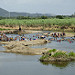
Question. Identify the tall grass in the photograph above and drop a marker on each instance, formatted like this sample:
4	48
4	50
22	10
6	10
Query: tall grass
38	22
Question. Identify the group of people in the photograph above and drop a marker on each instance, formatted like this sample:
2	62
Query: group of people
61	37
54	36
57	35
4	37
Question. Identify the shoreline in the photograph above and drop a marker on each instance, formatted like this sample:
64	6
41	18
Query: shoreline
54	55
68	34
37	28
22	47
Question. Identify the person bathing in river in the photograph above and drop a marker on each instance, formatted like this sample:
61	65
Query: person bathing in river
55	36
30	39
58	35
63	34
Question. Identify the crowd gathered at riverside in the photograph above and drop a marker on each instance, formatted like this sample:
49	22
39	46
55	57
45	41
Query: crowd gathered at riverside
61	37
49	36
4	37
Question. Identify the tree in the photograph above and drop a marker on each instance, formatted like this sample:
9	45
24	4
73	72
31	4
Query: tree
59	17
44	17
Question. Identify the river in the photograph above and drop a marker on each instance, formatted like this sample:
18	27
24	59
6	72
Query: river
13	64
16	64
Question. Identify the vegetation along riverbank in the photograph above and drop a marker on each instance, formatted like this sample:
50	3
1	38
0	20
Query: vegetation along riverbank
54	24
57	56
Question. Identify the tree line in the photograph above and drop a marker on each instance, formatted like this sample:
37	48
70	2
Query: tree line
41	17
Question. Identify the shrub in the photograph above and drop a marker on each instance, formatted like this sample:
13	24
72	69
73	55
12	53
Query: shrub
53	50
59	17
59	54
44	56
71	54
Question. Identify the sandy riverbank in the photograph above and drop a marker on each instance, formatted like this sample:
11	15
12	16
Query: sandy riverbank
23	47
20	32
26	30
68	34
53	28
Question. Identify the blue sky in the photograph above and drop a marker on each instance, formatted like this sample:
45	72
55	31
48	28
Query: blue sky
63	7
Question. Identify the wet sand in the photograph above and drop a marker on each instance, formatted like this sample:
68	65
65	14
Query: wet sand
23	47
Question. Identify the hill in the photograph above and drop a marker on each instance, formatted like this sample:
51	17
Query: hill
5	13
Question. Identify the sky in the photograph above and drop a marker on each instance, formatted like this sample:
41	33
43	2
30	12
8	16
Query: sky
57	7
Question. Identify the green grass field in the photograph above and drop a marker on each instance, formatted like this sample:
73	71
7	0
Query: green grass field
38	22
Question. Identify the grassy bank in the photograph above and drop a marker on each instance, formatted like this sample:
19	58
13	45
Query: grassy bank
1	29
57	56
44	24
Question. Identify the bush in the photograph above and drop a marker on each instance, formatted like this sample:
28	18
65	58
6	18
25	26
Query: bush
59	17
53	50
59	54
71	54
43	57
44	17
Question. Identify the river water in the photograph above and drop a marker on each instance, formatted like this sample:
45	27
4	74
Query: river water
15	64
63	45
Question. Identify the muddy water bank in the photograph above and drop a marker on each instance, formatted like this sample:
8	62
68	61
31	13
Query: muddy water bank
22	47
29	31
16	31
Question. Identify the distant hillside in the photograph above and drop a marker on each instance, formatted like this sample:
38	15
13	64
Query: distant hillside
15	14
5	13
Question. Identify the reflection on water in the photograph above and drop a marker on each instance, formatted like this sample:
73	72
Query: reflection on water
13	64
64	45
57	64
2	48
16	64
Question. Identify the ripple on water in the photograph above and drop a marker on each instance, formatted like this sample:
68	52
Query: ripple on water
1	48
64	45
